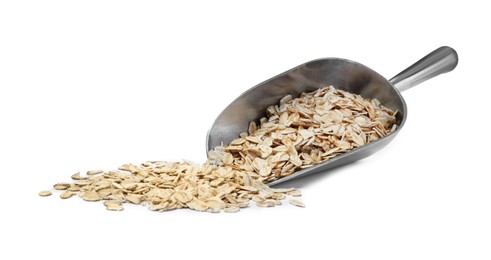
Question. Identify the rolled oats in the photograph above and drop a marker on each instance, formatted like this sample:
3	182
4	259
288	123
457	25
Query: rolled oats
297	133
297	203
61	186
66	194
304	131
94	172
45	193
232	209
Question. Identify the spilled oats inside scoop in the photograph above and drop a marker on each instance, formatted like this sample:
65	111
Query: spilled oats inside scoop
296	133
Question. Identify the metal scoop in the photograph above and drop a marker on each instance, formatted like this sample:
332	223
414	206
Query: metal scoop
342	74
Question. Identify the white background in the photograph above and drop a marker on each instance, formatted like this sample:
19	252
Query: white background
95	84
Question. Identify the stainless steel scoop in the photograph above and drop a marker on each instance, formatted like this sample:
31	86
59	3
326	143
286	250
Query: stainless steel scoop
342	74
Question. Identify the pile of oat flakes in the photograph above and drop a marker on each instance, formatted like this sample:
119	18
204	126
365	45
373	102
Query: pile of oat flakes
297	133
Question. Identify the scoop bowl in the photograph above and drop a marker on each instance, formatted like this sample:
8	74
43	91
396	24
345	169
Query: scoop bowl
343	74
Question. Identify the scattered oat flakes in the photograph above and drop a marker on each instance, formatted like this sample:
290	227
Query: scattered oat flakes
94	172
74	187
295	134
90	195
66	194
297	203
294	193
77	176
135	199
61	186
266	203
173	185
45	193
232	209
82	182
113	205
257	198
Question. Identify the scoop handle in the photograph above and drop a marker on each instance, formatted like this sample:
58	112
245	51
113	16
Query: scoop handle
441	60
